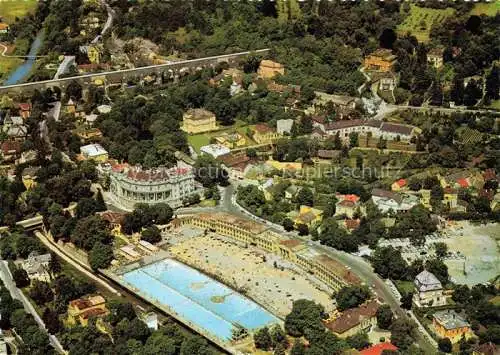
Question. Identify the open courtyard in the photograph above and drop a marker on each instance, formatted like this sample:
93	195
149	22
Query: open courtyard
270	281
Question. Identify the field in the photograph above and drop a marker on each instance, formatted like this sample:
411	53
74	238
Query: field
7	65
10	9
489	9
420	21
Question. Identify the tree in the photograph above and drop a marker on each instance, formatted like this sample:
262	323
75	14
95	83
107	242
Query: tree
388	263
100	256
20	277
74	90
279	350
262	339
305	317
51	320
384	316
151	234
407	300
195	345
131	329
461	294
164	213
351	296
353	139
90	230
41	292
288	224
303	229
100	204
493	83
402	333
159	343
358	341
86	207
444	344
439	269
120	310
278	336
298	348
305	197
54	265
441	249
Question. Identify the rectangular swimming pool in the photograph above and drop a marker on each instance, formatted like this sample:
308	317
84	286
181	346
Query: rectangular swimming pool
199	299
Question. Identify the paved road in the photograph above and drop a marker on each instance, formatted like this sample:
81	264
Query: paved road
19	295
109	21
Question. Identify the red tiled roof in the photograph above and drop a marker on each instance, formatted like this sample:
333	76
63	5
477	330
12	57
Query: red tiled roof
112	217
378	349
263	128
489	174
449	190
159	174
352	223
464	183
401	182
93	312
10	146
291	243
346	203
24	106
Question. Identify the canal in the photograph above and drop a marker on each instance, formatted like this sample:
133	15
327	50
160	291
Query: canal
21	73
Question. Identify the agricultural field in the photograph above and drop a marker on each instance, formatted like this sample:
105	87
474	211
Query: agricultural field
488	9
420	20
10	9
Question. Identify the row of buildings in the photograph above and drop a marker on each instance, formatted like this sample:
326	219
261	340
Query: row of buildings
329	271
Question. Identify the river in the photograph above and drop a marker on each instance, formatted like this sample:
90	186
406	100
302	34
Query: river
23	71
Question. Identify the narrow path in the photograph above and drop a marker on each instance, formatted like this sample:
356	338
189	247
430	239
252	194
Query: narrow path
78	265
5	49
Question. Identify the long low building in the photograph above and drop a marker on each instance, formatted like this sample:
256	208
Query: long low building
324	268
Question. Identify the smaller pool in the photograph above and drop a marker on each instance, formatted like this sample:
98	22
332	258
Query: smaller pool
198	299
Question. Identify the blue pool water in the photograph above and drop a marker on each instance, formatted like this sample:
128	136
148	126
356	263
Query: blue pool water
197	298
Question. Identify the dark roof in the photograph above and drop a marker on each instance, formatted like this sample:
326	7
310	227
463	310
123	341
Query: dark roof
387	194
353	316
328	153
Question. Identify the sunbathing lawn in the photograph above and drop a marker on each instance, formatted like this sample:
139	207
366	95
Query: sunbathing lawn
404	286
489	9
10	9
199	140
412	22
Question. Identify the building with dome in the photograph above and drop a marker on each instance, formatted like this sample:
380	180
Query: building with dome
428	290
134	185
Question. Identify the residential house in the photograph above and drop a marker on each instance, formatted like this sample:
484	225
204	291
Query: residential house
87	134
428	290
399	185
379	349
450	197
235	88
198	120
396	131
266	188
24	110
435	57
10	150
308	215
4	28
488	348
351	224
15	128
327	155
269	69
114	219
355	320
425	197
215	150
264	134
70	106
37	266
94	152
338	101
381	60
235	163
151	320
231	140
291	191
284	126
387	81
346	208
386	200
449	324
29	176
82	309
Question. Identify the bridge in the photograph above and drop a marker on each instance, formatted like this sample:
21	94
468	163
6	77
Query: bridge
170	71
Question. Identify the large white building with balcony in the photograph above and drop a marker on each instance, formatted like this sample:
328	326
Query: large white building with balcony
159	185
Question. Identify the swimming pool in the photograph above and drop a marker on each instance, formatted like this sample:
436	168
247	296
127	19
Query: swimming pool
199	299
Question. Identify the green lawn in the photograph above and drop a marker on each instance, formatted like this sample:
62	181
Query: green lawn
489	9
495	104
7	65
10	9
404	286
420	20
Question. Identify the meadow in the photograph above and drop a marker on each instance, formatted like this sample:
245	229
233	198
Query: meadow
488	9
10	9
420	20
